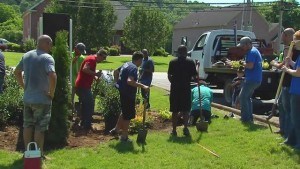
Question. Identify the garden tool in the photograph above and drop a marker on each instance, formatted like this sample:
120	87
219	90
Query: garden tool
202	125
273	111
142	133
208	150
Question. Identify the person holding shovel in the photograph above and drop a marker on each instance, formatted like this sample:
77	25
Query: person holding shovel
83	85
126	77
181	72
284	98
293	138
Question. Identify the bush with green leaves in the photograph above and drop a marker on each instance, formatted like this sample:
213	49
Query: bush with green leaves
14	36
29	44
15	47
160	52
108	98
11	101
108	102
114	52
58	128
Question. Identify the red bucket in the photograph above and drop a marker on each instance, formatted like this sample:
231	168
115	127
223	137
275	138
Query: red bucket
32	158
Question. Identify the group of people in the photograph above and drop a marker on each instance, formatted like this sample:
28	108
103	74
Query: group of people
288	102
35	73
39	85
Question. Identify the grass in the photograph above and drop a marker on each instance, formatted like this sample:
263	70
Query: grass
12	58
238	145
112	62
159	99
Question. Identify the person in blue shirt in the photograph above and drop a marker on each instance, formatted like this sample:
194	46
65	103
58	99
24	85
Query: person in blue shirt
126	77
206	99
293	138
253	78
146	74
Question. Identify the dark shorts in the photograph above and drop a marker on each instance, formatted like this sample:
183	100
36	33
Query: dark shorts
196	115
128	107
180	100
37	116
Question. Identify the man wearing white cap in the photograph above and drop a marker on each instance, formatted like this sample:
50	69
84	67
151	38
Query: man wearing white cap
253	78
77	60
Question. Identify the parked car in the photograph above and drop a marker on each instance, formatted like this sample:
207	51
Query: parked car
3	44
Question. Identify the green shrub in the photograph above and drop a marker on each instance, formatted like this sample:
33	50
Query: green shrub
108	102
11	101
16	48
137	122
29	44
94	50
160	52
15	36
113	52
165	114
58	128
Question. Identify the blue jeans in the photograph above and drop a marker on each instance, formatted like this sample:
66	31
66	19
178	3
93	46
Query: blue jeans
87	101
285	111
1	82
294	134
246	100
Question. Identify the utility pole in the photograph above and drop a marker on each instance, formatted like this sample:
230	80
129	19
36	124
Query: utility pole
281	6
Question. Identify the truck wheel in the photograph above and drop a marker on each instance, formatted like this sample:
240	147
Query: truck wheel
227	92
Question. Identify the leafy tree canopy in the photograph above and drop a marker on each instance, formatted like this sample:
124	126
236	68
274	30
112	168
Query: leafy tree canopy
93	20
146	29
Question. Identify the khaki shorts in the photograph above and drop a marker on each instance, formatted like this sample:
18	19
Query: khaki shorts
37	116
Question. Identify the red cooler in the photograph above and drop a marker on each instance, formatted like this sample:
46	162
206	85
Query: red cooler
32	158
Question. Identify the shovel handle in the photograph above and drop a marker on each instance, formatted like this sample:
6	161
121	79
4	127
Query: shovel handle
199	92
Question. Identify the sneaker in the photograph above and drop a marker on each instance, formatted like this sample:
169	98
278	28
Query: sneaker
173	133
186	132
125	140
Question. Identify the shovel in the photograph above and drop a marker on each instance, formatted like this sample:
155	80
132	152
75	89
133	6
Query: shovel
202	125
142	133
280	84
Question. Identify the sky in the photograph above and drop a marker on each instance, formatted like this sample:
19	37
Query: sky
235	1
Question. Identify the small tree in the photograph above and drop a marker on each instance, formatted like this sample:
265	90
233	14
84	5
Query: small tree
146	29
58	131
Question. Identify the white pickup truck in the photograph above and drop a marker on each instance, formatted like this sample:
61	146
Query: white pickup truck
216	45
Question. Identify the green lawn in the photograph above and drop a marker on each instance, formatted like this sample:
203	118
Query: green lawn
12	58
239	146
112	62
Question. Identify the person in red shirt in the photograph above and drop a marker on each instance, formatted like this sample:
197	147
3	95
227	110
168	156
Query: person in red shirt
83	84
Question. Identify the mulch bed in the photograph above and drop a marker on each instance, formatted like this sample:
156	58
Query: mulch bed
11	137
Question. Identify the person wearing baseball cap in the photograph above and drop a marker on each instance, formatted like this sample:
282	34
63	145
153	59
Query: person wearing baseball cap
77	59
253	77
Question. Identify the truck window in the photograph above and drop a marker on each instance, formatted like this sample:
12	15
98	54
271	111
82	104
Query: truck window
200	43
